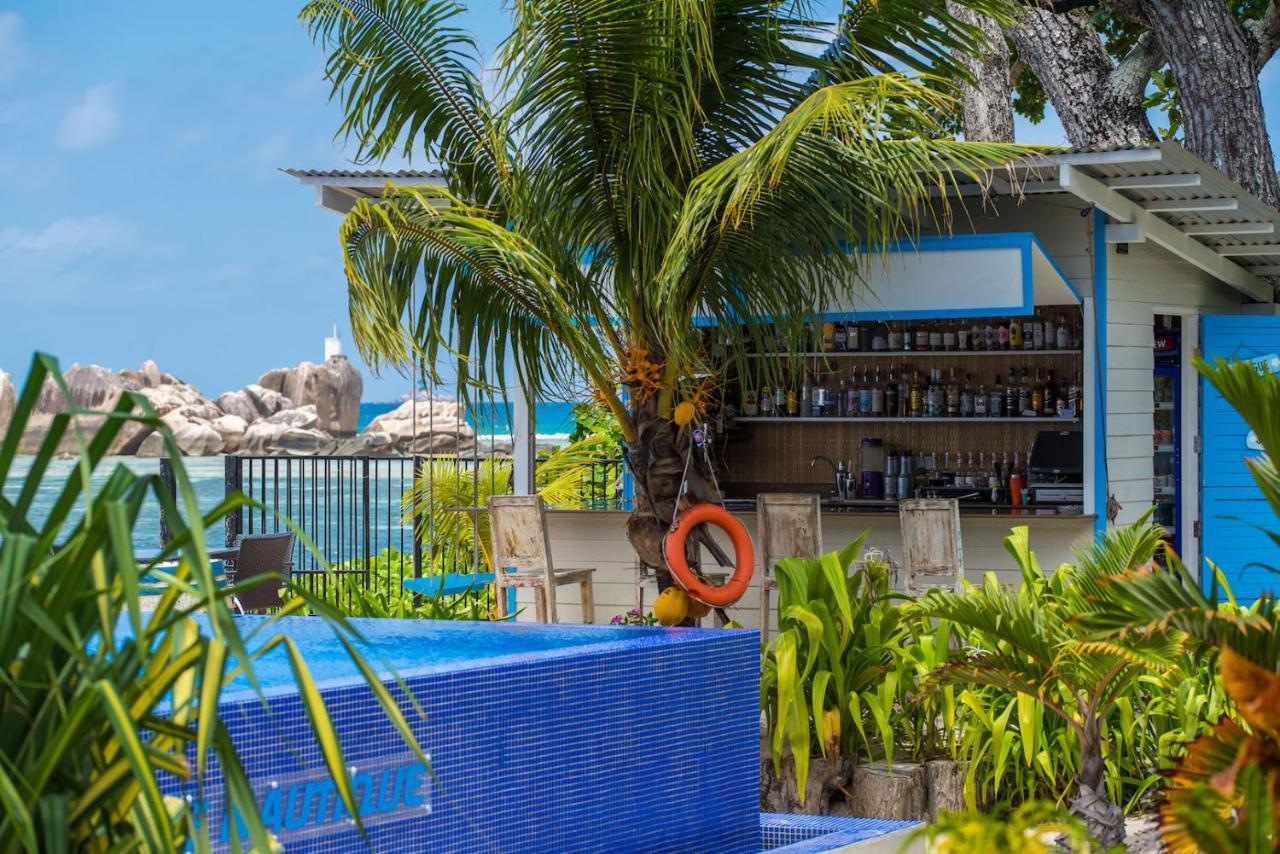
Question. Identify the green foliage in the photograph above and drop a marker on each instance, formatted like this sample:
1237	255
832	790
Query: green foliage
382	594
634	617
98	698
595	419
1036	827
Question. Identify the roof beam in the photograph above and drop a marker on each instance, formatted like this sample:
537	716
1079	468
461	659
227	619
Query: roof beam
1125	232
1273	249
1124	209
1152	182
1231	228
1174	205
1273	270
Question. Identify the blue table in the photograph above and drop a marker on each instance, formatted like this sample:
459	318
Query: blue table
151	585
455	584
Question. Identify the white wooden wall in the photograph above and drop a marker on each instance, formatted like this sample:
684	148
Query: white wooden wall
598	539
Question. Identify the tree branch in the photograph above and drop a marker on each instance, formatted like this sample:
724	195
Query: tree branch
1129	79
1265	32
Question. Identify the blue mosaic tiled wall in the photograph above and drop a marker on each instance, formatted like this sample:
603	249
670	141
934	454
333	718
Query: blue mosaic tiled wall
649	745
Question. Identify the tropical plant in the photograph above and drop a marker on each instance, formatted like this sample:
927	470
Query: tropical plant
1036	827
1031	644
106	707
444	492
1224	795
635	164
381	592
634	617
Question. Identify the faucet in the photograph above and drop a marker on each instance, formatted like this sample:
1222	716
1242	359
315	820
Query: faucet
842	476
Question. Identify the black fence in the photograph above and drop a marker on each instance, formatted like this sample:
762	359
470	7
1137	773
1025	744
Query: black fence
369	524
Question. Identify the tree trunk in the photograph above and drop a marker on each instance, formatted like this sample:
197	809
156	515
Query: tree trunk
1096	108
1215	65
986	104
1091	803
881	791
657	462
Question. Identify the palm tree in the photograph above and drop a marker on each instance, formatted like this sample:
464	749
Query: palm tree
642	164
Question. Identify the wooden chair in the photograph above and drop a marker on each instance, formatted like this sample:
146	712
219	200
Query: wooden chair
931	553
518	527
790	525
260	554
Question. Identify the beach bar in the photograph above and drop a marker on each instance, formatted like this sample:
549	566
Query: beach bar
1033	360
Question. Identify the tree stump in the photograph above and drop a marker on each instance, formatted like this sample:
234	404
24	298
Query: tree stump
825	789
896	792
943	787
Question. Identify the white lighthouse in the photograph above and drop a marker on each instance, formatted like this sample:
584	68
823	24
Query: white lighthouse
333	345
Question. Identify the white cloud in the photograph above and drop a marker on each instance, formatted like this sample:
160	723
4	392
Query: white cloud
93	121
12	50
61	243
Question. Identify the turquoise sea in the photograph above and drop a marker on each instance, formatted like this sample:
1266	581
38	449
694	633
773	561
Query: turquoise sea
554	418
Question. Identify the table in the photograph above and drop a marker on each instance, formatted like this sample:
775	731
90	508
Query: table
455	584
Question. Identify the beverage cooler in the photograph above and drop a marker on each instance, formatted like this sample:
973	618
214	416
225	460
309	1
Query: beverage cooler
1166	438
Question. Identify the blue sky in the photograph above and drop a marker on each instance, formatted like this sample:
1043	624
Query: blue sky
144	215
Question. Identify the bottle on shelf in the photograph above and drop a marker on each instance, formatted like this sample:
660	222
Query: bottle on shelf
949	338
864	394
995	404
1028	334
917	396
839	337
852	400
750	403
976	341
922	337
891	395
935	336
1037	395
953	397
1038	331
895	337
792	403
1050	333
963	337
980	401
966	398
1024	395
1002	334
904	395
1050	405
1063	335
1015	334
877	396
989	337
1011	395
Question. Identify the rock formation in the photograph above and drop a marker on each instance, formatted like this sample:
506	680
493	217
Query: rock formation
333	388
439	428
308	410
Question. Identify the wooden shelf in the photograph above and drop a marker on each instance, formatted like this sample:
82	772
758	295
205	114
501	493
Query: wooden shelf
915	354
980	419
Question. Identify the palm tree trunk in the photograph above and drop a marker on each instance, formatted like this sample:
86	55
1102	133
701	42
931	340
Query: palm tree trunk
657	462
1091	804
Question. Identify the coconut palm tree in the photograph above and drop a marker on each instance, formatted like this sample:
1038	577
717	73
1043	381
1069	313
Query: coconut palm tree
632	172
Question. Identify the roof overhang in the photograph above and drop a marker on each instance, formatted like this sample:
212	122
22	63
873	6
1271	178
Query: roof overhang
337	190
1167	195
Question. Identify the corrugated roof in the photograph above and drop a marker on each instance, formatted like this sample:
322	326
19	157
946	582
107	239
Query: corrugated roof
339	174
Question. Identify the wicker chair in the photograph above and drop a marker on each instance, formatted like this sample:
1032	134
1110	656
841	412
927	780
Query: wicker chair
261	554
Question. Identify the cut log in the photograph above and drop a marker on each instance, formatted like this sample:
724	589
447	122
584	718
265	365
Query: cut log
825	789
896	792
943	787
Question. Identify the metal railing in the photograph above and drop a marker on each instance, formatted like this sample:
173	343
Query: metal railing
367	521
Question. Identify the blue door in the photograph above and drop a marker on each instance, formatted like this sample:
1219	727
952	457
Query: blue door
1231	507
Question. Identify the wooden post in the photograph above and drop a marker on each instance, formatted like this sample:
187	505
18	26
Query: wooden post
171	487
233	522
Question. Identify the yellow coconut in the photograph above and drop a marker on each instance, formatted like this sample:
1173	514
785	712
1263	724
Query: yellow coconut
698	610
683	414
672	606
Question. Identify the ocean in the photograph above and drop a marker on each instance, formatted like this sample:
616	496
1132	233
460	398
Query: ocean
554	419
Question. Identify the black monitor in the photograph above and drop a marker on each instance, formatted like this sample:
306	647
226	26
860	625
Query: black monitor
1057	454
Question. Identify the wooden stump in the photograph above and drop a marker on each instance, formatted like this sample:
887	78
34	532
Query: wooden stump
943	787
896	792
825	788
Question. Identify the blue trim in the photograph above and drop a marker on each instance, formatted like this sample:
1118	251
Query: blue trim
1100	369
1020	240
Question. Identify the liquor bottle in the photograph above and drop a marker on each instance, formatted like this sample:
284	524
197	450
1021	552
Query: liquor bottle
947	474
1024	394
1063	339
1038	331
962	338
995	404
1015	334
966	398
895	337
1028	335
989	337
922	337
993	480
852	402
780	399
976	341
1011	395
817	400
953	396
851	337
1002	335
864	393
904	395
980	402
891	395
811	343
917	396
936	399
949	338
793	403
806	396
877	396
1051	398
1075	398
840	338
841	404
1050	334
971	470
828	337
1037	395
750	403
935	336
766	401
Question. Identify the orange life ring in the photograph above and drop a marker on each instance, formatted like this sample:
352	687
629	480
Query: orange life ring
673	548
